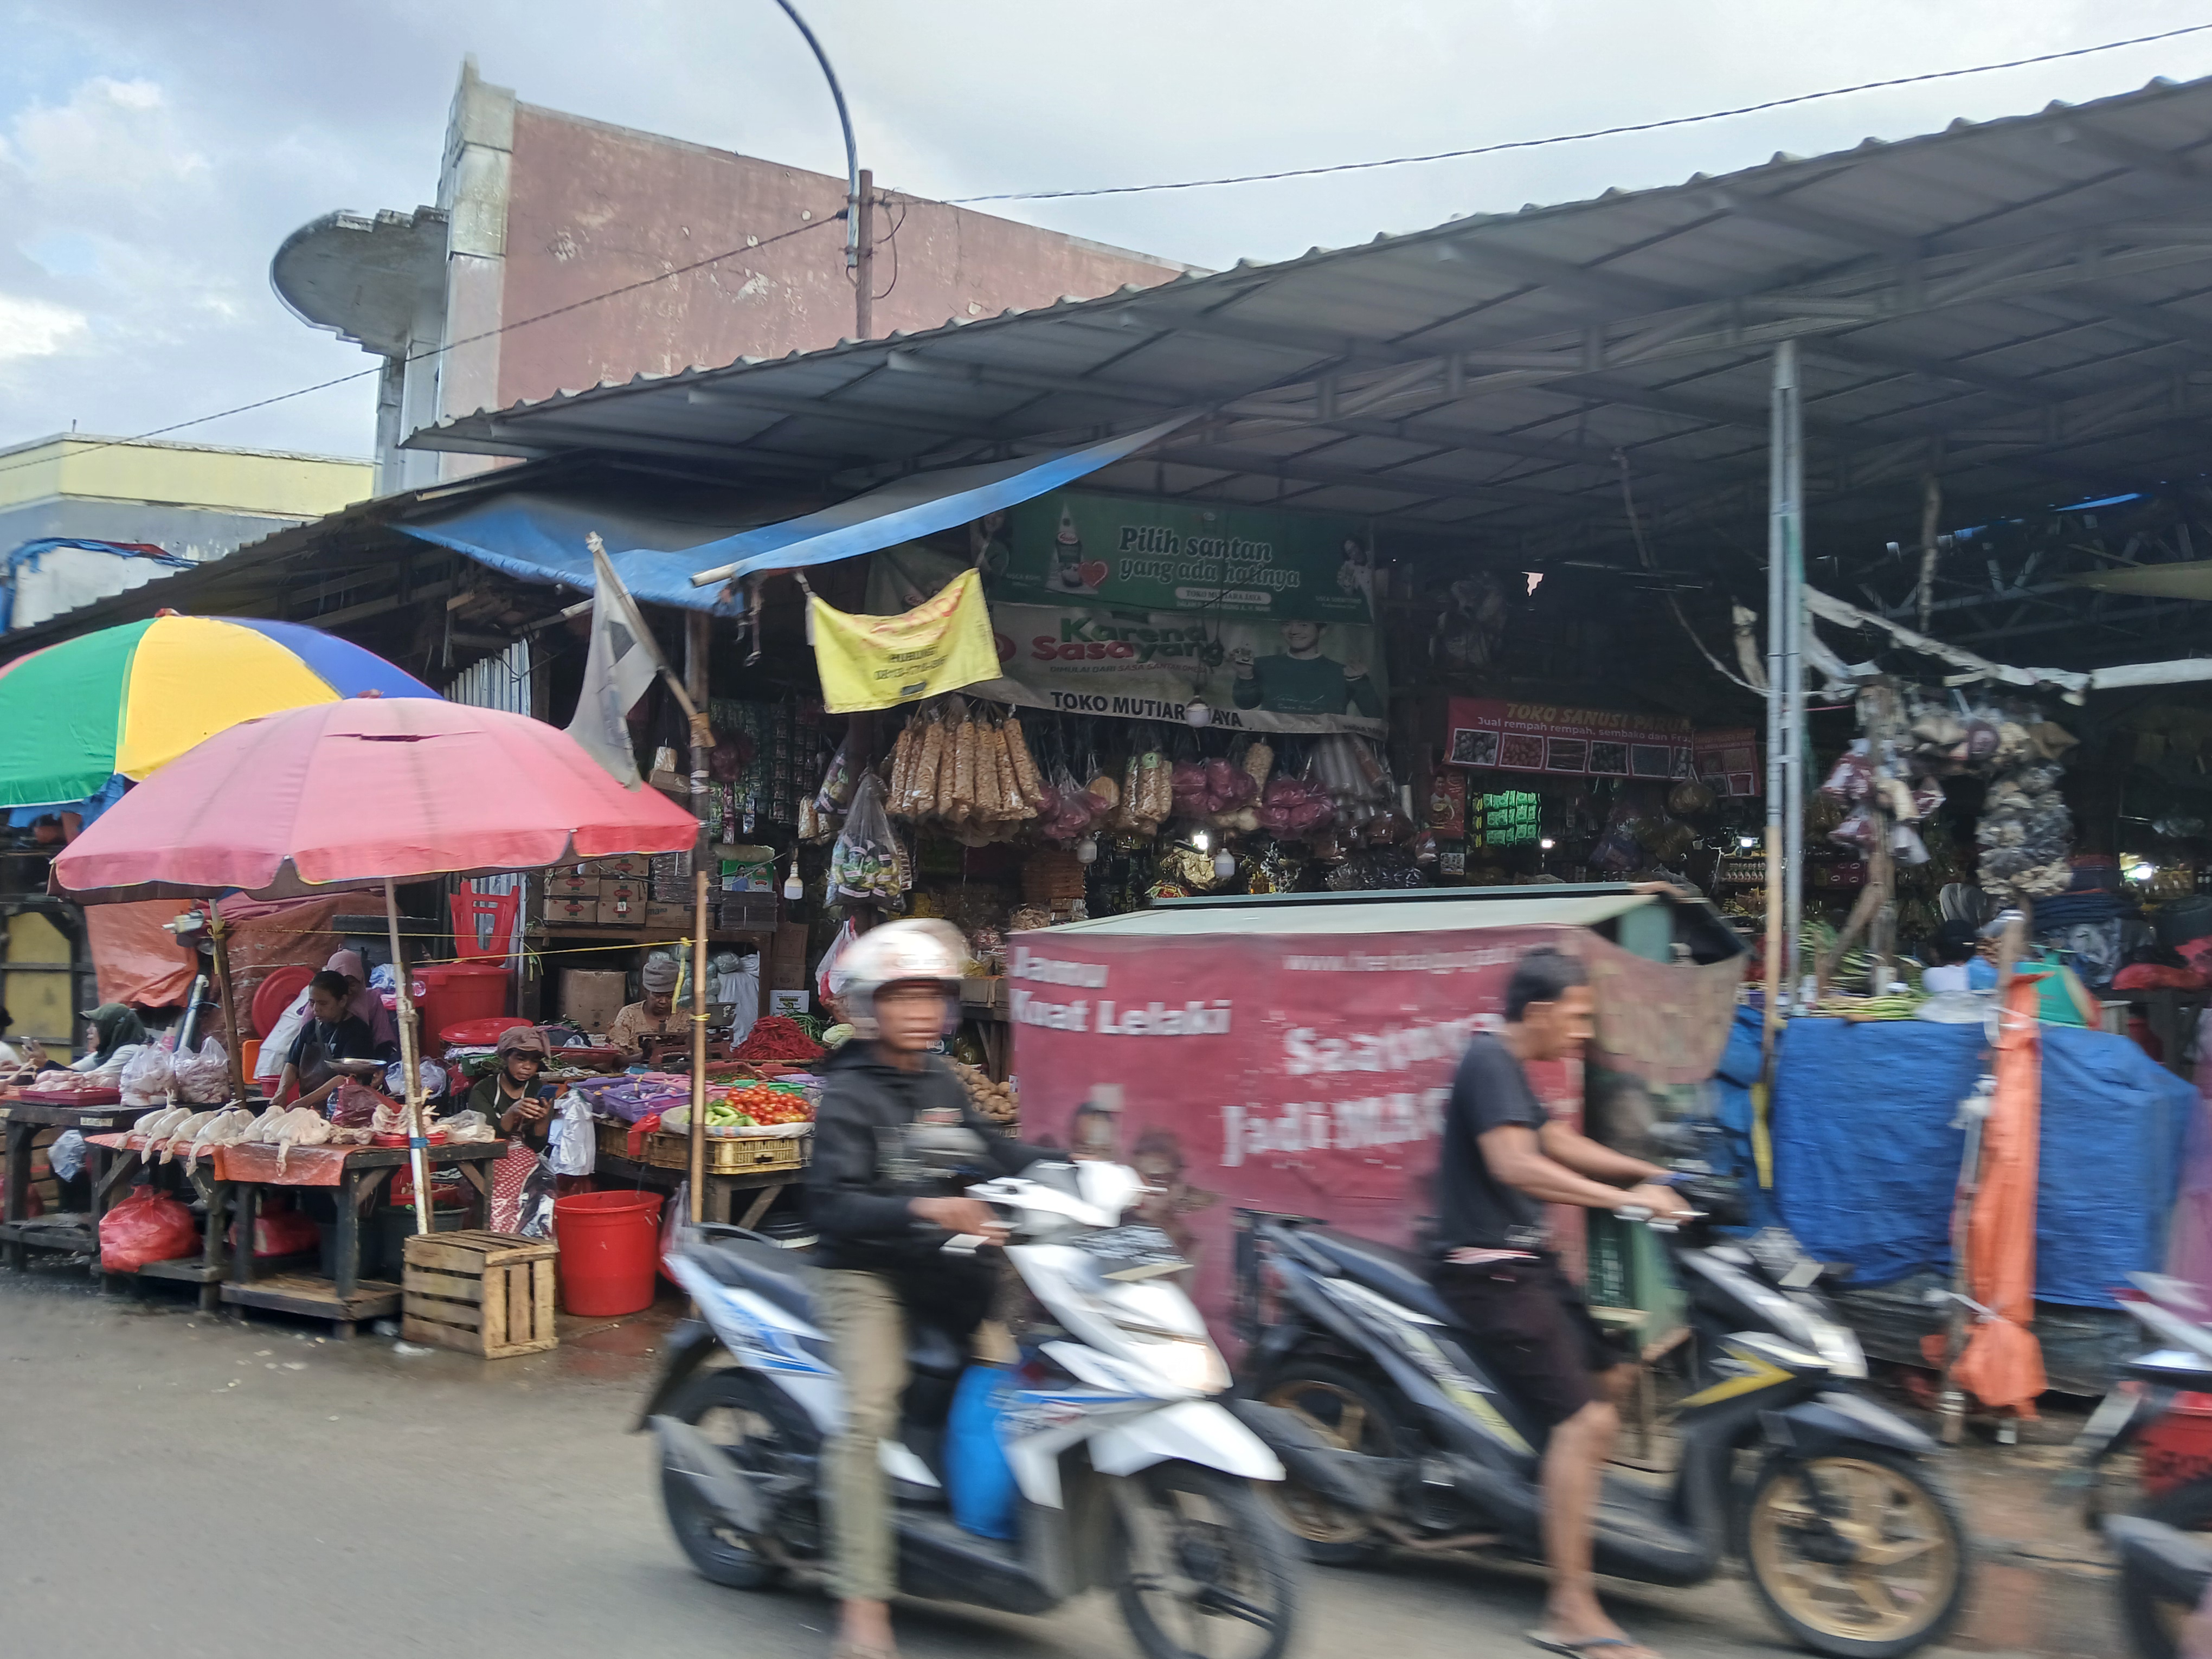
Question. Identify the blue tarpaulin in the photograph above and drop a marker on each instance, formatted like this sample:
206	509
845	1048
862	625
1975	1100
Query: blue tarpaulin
1866	1158
539	537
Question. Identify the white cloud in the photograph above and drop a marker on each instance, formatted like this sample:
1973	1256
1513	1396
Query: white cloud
36	328
111	137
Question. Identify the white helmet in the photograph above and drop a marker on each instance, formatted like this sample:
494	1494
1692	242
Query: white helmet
897	953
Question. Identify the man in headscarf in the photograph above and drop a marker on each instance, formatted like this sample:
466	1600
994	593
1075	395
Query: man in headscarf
656	1015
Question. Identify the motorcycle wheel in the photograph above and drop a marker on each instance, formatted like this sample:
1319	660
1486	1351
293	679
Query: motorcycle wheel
1353	1414
1198	1557
2154	1621
747	1417
1884	1581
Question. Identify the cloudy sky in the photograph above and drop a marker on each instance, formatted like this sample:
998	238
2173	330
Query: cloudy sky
152	155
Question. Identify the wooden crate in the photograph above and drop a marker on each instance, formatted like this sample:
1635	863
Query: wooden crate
488	1294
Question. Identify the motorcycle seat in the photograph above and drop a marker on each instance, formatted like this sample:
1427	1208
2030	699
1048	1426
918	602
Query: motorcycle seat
1398	1274
785	1278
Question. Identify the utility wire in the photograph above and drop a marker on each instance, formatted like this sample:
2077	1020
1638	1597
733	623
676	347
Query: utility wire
1578	137
451	346
1132	190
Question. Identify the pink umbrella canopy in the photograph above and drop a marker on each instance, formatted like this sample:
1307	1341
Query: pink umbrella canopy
348	794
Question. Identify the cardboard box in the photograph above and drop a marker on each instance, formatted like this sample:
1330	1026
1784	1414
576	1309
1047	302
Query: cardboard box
621	912
632	866
625	889
567	886
593	996
675	918
571	912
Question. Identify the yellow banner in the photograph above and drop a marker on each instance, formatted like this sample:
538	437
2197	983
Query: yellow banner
878	662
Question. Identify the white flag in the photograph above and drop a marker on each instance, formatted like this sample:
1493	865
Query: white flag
619	669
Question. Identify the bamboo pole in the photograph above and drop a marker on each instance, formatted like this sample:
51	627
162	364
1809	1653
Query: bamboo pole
216	933
418	1159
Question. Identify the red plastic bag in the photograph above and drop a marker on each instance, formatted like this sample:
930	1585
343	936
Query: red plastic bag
281	1233
145	1227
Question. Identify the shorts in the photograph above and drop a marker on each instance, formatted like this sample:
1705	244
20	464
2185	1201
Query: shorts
1532	1332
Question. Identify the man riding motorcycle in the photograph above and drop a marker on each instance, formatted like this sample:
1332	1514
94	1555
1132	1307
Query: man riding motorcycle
882	1233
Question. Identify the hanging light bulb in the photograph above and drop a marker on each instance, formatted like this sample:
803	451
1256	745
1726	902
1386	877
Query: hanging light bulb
1196	712
1200	841
793	889
1086	850
1225	864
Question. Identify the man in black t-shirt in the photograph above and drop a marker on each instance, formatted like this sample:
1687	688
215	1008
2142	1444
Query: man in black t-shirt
1503	1161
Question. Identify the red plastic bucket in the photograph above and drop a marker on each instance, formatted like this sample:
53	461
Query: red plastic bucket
449	992
610	1243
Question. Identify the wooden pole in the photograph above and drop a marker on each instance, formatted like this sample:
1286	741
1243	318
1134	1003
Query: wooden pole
215	933
418	1160
698	943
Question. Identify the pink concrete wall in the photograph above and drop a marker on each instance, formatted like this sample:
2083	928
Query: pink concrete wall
591	207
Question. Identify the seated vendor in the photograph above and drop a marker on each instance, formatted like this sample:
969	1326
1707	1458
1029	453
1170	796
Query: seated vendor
508	1097
654	1017
334	1045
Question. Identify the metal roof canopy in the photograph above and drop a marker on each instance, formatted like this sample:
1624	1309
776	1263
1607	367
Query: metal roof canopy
2023	307
1430	910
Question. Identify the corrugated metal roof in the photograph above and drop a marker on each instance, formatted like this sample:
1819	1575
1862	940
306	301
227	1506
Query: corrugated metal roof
1437	911
2023	305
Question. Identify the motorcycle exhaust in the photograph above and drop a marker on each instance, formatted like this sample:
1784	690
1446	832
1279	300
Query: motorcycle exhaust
719	1483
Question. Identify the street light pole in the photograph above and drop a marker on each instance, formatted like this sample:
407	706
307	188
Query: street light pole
856	182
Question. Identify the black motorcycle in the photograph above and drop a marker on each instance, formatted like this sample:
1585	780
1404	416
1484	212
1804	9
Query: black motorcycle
2165	1549
1393	1434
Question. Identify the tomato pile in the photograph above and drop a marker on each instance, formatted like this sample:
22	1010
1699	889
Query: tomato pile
766	1104
775	1036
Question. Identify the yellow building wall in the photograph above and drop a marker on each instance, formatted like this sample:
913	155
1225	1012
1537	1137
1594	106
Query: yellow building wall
41	1005
229	480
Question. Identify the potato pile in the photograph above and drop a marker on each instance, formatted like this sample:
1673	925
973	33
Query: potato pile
996	1101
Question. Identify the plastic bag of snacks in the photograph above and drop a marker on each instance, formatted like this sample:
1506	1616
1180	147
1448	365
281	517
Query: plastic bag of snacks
866	862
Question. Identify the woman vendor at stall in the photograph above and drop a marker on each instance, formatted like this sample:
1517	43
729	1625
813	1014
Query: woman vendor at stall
334	1045
656	1015
112	1025
508	1098
362	1002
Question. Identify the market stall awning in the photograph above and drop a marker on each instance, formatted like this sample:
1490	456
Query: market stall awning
662	558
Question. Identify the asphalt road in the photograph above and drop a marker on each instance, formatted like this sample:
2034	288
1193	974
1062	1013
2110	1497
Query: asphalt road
177	1485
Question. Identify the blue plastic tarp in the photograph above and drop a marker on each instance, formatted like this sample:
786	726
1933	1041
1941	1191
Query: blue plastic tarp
1867	1158
540	536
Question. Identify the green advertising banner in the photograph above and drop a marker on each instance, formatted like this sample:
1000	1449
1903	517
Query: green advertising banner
1263	616
1171	556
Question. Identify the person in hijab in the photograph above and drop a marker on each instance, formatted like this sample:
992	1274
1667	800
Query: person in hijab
110	1026
656	1015
363	1002
508	1098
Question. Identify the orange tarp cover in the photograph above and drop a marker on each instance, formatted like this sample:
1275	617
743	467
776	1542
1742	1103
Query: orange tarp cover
2003	1365
136	958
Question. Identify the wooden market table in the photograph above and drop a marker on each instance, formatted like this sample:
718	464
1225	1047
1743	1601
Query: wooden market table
72	1233
344	1299
613	1169
230	1182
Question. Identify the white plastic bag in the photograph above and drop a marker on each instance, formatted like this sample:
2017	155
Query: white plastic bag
66	1155
148	1078
276	1046
432	1073
570	1141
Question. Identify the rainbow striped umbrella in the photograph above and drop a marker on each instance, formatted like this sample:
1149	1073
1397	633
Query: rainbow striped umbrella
125	701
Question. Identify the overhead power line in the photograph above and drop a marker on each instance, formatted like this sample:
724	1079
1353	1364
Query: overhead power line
451	346
1576	137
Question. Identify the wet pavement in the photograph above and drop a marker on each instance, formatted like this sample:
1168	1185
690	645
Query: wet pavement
184	1484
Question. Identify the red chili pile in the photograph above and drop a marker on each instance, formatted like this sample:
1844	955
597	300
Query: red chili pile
777	1037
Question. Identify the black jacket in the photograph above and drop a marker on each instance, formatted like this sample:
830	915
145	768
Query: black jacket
856	1196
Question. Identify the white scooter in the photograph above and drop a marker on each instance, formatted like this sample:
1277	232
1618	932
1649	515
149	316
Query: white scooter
1126	1472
